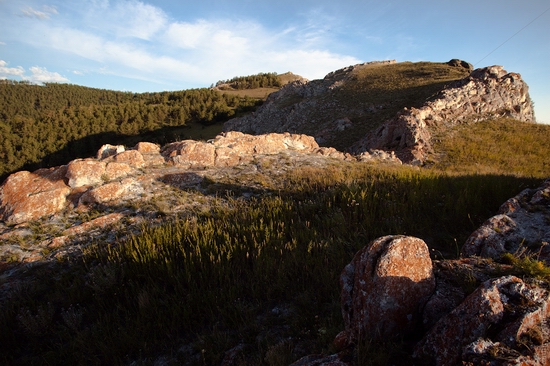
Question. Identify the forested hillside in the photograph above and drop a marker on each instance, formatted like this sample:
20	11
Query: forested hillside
261	80
52	124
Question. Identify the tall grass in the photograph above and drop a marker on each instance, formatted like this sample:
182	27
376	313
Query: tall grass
496	146
261	273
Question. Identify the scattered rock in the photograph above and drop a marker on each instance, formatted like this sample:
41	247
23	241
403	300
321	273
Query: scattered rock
85	172
191	154
320	360
115	170
385	287
147	148
521	225
131	157
108	192
109	150
459	63
503	322
100	222
26	196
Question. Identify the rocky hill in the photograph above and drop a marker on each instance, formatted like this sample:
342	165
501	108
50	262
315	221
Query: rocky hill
229	251
390	106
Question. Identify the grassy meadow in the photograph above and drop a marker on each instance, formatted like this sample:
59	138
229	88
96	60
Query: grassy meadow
257	275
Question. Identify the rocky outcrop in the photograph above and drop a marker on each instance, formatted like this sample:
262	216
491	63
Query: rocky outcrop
521	226
26	196
119	176
301	107
487	93
503	322
385	287
315	108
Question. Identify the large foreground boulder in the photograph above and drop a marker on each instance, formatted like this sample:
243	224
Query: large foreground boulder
385	287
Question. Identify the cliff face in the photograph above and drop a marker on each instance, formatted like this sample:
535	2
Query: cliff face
323	109
487	93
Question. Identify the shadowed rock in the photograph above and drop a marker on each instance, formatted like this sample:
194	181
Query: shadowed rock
521	225
503	322
385	287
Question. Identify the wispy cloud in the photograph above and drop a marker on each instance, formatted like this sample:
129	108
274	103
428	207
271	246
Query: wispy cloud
140	41
43	14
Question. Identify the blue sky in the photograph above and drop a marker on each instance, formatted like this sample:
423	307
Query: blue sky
155	45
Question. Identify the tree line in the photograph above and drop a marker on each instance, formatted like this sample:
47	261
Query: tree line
50	120
261	80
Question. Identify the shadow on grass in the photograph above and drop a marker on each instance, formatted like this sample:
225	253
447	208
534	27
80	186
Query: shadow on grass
196	288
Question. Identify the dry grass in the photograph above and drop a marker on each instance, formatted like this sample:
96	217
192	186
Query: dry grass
501	146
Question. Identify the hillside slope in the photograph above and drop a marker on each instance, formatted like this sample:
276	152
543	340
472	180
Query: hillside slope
376	105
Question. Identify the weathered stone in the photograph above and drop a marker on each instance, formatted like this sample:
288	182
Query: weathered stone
521	225
379	155
290	108
116	170
455	279
147	148
109	150
108	192
131	157
85	172
504	317
26	196
100	222
487	93
320	360
459	63
193	154
385	287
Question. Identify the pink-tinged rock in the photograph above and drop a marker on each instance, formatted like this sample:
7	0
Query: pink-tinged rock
131	157
504	319
109	150
228	156
147	148
26	196
193	154
116	170
320	360
85	172
100	222
385	287
522	223
105	193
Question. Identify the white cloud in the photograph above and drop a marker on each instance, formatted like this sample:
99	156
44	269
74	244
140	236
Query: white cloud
38	74
126	18
136	40
41	75
44	14
10	72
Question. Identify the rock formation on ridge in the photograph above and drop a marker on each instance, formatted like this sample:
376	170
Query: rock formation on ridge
321	108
